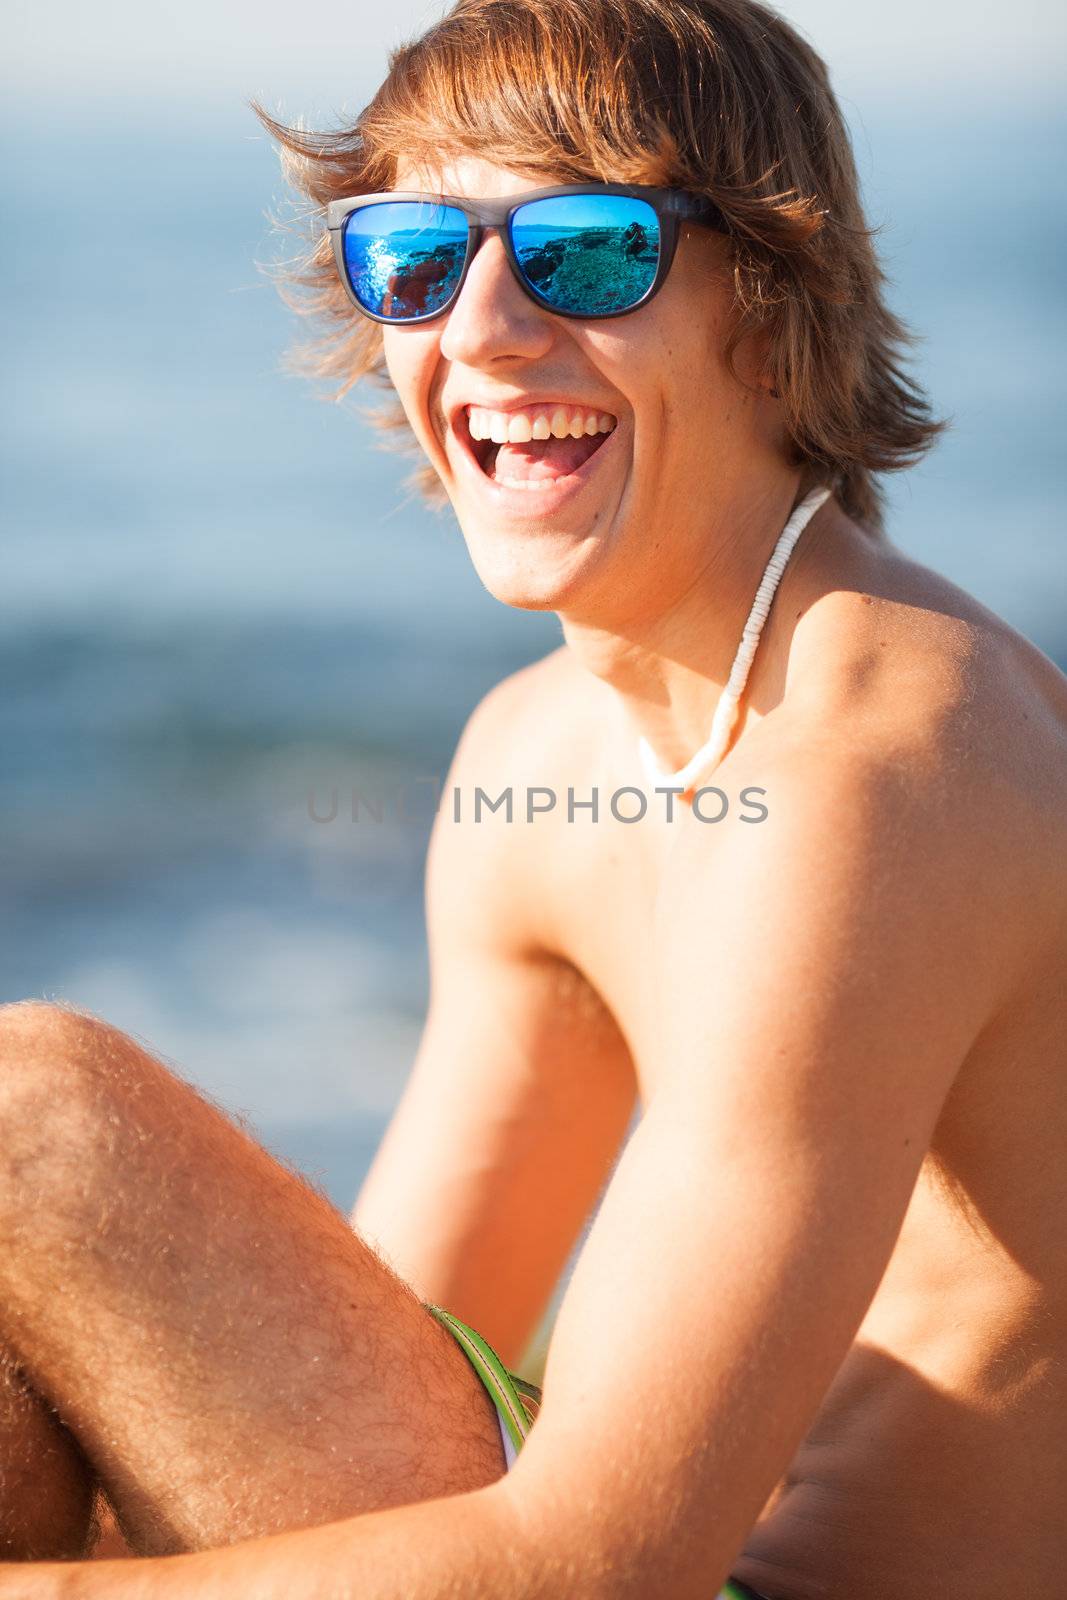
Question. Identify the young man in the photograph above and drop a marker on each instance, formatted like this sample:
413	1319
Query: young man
815	1338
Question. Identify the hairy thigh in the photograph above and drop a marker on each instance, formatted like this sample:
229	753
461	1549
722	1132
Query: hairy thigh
231	1357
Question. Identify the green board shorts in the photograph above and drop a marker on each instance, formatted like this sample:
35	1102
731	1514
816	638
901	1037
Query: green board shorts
517	1404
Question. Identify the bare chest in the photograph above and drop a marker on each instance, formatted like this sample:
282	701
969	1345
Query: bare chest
617	890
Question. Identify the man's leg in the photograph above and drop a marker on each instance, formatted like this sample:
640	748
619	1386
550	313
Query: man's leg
47	1489
229	1357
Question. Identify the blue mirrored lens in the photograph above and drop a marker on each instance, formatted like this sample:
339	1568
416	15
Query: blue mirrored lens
404	257
588	254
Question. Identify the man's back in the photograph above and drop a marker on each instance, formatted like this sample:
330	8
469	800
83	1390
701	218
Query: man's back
939	1451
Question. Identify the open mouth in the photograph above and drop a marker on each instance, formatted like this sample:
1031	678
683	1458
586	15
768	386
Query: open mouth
536	462
533	463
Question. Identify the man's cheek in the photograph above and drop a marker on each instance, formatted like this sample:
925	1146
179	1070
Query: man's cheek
402	364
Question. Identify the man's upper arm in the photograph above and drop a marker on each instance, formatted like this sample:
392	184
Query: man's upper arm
821	980
522	1088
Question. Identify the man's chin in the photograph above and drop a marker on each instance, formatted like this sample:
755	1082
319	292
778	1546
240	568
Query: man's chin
536	570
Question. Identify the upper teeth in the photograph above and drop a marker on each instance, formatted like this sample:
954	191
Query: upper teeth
518	427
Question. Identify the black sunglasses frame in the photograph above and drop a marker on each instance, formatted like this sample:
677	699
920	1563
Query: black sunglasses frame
671	206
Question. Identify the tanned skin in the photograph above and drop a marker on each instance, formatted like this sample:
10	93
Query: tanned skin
816	1334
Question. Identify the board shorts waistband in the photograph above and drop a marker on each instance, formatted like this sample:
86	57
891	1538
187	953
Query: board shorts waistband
517	1402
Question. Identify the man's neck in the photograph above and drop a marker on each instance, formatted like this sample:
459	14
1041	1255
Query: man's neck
668	664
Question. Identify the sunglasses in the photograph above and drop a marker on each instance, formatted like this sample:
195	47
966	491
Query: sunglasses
596	250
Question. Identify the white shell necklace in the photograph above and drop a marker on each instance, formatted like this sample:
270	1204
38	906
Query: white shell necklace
726	712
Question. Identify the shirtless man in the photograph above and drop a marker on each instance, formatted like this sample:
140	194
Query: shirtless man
815	1337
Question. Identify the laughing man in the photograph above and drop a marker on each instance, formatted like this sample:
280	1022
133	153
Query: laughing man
610	257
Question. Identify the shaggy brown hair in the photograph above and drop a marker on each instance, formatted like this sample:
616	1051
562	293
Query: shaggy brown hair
719	97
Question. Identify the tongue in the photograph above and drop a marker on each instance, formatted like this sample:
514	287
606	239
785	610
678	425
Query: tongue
543	458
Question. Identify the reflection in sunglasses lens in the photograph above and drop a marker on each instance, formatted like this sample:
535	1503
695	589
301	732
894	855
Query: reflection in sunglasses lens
404	258
588	253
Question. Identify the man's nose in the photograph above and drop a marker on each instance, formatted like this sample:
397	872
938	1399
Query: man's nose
492	316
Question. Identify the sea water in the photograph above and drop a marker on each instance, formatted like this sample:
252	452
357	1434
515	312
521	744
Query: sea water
218	600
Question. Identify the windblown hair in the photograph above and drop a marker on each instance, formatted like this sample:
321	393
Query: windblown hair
719	97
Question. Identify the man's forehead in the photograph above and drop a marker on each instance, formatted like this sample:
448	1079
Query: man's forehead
464	176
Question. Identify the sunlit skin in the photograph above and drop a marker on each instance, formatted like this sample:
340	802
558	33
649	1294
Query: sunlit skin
652	571
653	564
816	1336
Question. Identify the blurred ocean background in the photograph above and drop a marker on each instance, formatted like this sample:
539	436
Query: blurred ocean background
218	600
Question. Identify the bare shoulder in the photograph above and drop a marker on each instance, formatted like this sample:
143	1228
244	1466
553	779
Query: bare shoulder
525	727
901	674
898	654
529	735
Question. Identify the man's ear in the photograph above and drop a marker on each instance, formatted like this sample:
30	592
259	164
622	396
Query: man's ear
754	361
763	351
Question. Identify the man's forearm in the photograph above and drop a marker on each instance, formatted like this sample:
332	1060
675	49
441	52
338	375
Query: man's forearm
470	1545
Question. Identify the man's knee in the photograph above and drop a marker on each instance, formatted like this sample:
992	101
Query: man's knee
25	1024
61	1072
44	1043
